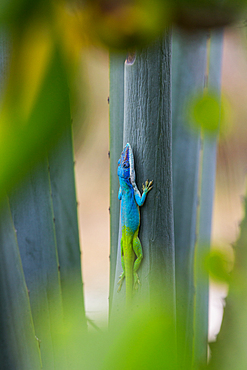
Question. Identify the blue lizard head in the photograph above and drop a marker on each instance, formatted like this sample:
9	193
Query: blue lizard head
126	168
124	163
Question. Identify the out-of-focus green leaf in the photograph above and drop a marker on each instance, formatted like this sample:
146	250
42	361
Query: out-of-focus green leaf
206	112
27	126
143	341
140	340
18	345
16	13
211	112
122	25
32	212
219	265
125	24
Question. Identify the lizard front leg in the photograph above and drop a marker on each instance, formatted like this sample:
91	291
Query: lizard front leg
145	188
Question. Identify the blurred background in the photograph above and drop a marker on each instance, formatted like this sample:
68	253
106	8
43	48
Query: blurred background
92	172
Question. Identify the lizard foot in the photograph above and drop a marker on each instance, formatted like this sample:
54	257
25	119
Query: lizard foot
120	281
136	281
147	187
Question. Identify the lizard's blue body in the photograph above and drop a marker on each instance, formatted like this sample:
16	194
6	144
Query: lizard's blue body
130	220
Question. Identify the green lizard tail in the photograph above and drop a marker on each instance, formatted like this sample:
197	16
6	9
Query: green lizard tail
129	262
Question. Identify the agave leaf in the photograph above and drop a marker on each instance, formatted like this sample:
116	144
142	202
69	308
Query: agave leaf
116	101
32	212
207	189
61	163
18	345
188	67
147	127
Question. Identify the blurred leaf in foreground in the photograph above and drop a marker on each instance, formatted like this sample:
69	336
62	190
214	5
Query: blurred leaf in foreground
209	113
142	340
36	97
15	13
219	264
125	24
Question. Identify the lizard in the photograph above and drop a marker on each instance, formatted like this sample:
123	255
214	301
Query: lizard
131	200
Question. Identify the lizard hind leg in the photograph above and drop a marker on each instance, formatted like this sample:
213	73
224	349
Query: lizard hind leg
138	251
122	276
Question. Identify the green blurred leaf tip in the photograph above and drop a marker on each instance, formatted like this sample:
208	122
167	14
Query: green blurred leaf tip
206	112
211	113
219	265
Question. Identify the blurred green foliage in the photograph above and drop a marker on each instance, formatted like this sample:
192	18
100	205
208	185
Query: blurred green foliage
209	112
141	339
219	265
45	42
124	24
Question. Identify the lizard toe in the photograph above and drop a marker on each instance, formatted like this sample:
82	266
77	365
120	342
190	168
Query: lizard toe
136	281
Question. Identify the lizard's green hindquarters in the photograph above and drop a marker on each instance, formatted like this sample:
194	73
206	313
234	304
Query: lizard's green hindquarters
130	246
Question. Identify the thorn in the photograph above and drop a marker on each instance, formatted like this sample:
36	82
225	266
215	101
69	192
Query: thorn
53	219
109	154
77	203
38	340
131	57
108	100
109	209
49	168
74	163
58	267
28	292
